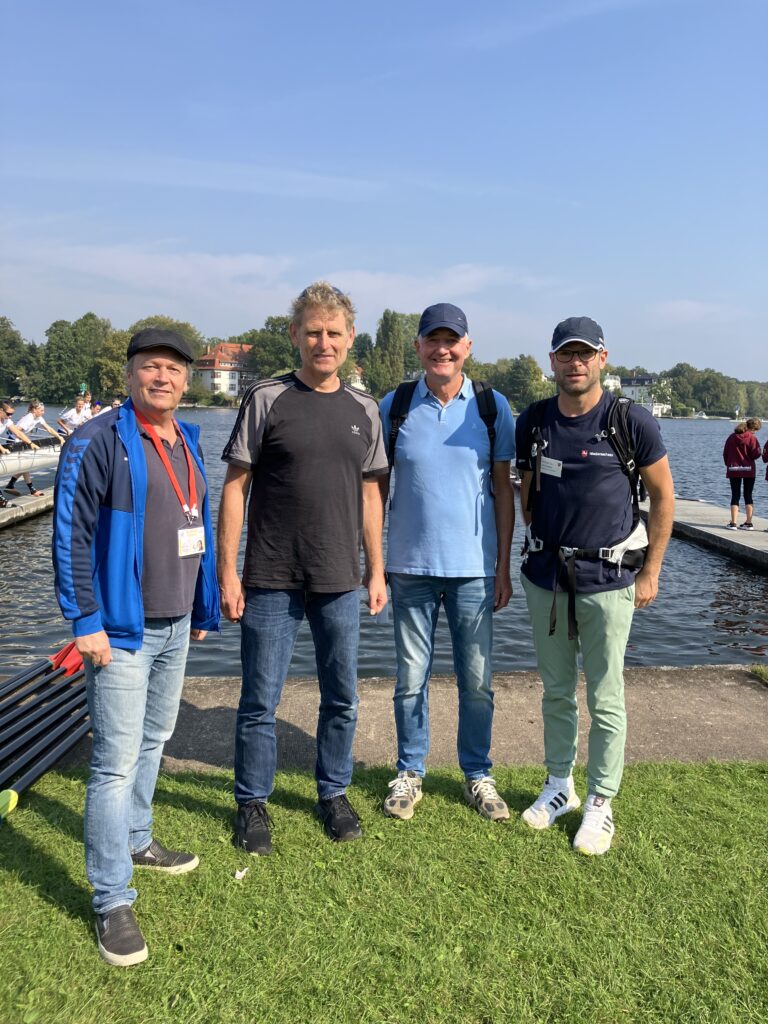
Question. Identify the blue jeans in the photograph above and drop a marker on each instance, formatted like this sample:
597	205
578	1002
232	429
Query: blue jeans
269	625
133	703
468	604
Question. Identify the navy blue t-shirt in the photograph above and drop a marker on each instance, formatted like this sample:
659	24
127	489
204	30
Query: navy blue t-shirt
590	504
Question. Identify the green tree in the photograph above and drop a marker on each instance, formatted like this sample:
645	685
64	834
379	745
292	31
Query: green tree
167	323
110	366
387	365
19	361
272	351
362	347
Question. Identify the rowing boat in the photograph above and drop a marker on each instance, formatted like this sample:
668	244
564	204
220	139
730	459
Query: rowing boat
27	461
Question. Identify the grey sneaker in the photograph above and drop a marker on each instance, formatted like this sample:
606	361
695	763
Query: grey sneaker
406	793
482	795
173	862
119	936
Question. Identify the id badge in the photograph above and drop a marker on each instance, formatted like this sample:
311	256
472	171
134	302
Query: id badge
551	467
191	541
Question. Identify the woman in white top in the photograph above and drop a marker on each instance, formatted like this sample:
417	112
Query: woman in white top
32	420
73	417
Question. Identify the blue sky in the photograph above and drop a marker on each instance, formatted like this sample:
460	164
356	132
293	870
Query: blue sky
527	160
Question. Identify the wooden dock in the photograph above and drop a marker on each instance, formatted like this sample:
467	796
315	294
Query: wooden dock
24	508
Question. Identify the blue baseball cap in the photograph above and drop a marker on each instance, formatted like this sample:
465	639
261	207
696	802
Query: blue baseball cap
443	314
578	328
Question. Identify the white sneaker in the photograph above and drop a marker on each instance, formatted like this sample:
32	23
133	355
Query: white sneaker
482	795
596	830
406	793
558	797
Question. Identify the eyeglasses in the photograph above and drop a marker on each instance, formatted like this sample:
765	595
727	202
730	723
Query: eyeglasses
584	355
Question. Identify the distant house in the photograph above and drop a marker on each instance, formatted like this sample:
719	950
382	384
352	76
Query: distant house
224	368
612	382
641	390
356	379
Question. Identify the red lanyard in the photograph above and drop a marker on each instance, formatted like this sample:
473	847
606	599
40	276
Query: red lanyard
190	510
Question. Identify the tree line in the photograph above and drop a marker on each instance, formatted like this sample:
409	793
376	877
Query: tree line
91	351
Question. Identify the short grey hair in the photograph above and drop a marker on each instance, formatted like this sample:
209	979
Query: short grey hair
322	295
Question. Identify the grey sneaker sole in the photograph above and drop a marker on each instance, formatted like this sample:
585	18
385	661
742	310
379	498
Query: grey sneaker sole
174	869
403	814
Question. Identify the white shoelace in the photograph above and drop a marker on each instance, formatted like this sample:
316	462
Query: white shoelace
403	785
485	789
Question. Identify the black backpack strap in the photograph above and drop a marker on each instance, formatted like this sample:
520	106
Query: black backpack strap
619	436
401	404
535	445
486	406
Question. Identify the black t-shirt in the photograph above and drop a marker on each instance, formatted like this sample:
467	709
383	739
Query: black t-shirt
589	505
309	452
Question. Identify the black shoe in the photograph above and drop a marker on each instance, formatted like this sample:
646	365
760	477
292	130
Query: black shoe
173	862
252	825
339	819
120	940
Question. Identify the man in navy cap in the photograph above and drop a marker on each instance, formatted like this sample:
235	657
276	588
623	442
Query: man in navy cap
135	575
589	564
450	531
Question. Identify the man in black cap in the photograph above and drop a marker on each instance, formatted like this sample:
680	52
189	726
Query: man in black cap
135	573
450	531
589	563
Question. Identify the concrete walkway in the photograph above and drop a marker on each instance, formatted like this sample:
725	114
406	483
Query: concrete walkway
687	714
705	524
24	507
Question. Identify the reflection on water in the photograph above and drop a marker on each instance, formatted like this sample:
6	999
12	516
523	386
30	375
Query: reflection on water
710	610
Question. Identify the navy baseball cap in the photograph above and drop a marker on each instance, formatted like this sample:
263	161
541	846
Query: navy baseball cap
443	315
578	328
156	337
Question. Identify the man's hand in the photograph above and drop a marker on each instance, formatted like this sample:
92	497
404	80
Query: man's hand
232	597
502	590
94	647
377	592
198	634
646	588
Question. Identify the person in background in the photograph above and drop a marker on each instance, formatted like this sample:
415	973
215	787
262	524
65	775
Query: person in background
765	459
740	453
96	407
12	434
450	532
72	418
31	421
136	576
116	403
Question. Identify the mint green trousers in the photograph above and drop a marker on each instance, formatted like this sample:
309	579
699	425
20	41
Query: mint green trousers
604	622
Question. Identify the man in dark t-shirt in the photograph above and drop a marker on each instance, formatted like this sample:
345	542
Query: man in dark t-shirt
583	556
305	452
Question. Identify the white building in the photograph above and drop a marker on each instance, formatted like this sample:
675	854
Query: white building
642	389
224	369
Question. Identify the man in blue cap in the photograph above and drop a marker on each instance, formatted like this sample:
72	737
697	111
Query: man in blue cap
450	532
589	564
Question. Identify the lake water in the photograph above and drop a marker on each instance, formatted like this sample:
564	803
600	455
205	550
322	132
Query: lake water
710	610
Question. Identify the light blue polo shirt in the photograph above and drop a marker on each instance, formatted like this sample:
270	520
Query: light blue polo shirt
442	520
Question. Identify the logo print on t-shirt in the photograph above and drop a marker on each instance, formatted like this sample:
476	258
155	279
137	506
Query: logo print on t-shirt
584	453
355	429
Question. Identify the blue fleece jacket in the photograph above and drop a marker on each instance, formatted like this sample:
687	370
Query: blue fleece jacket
98	531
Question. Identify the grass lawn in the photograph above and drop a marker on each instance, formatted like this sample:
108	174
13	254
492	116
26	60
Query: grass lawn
443	918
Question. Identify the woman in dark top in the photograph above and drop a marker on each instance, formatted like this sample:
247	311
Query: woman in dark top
739	455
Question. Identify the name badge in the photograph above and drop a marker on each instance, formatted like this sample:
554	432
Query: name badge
551	467
191	541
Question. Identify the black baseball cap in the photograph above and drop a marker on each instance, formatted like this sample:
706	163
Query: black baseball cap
156	337
443	314
578	328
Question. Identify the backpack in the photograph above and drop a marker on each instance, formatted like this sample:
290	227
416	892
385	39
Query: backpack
631	550
401	404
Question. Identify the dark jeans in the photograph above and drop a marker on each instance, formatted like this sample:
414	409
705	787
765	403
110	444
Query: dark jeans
269	626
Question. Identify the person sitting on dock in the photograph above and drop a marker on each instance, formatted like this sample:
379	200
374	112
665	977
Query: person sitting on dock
72	418
740	454
450	532
308	449
131	514
584	571
13	433
30	422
